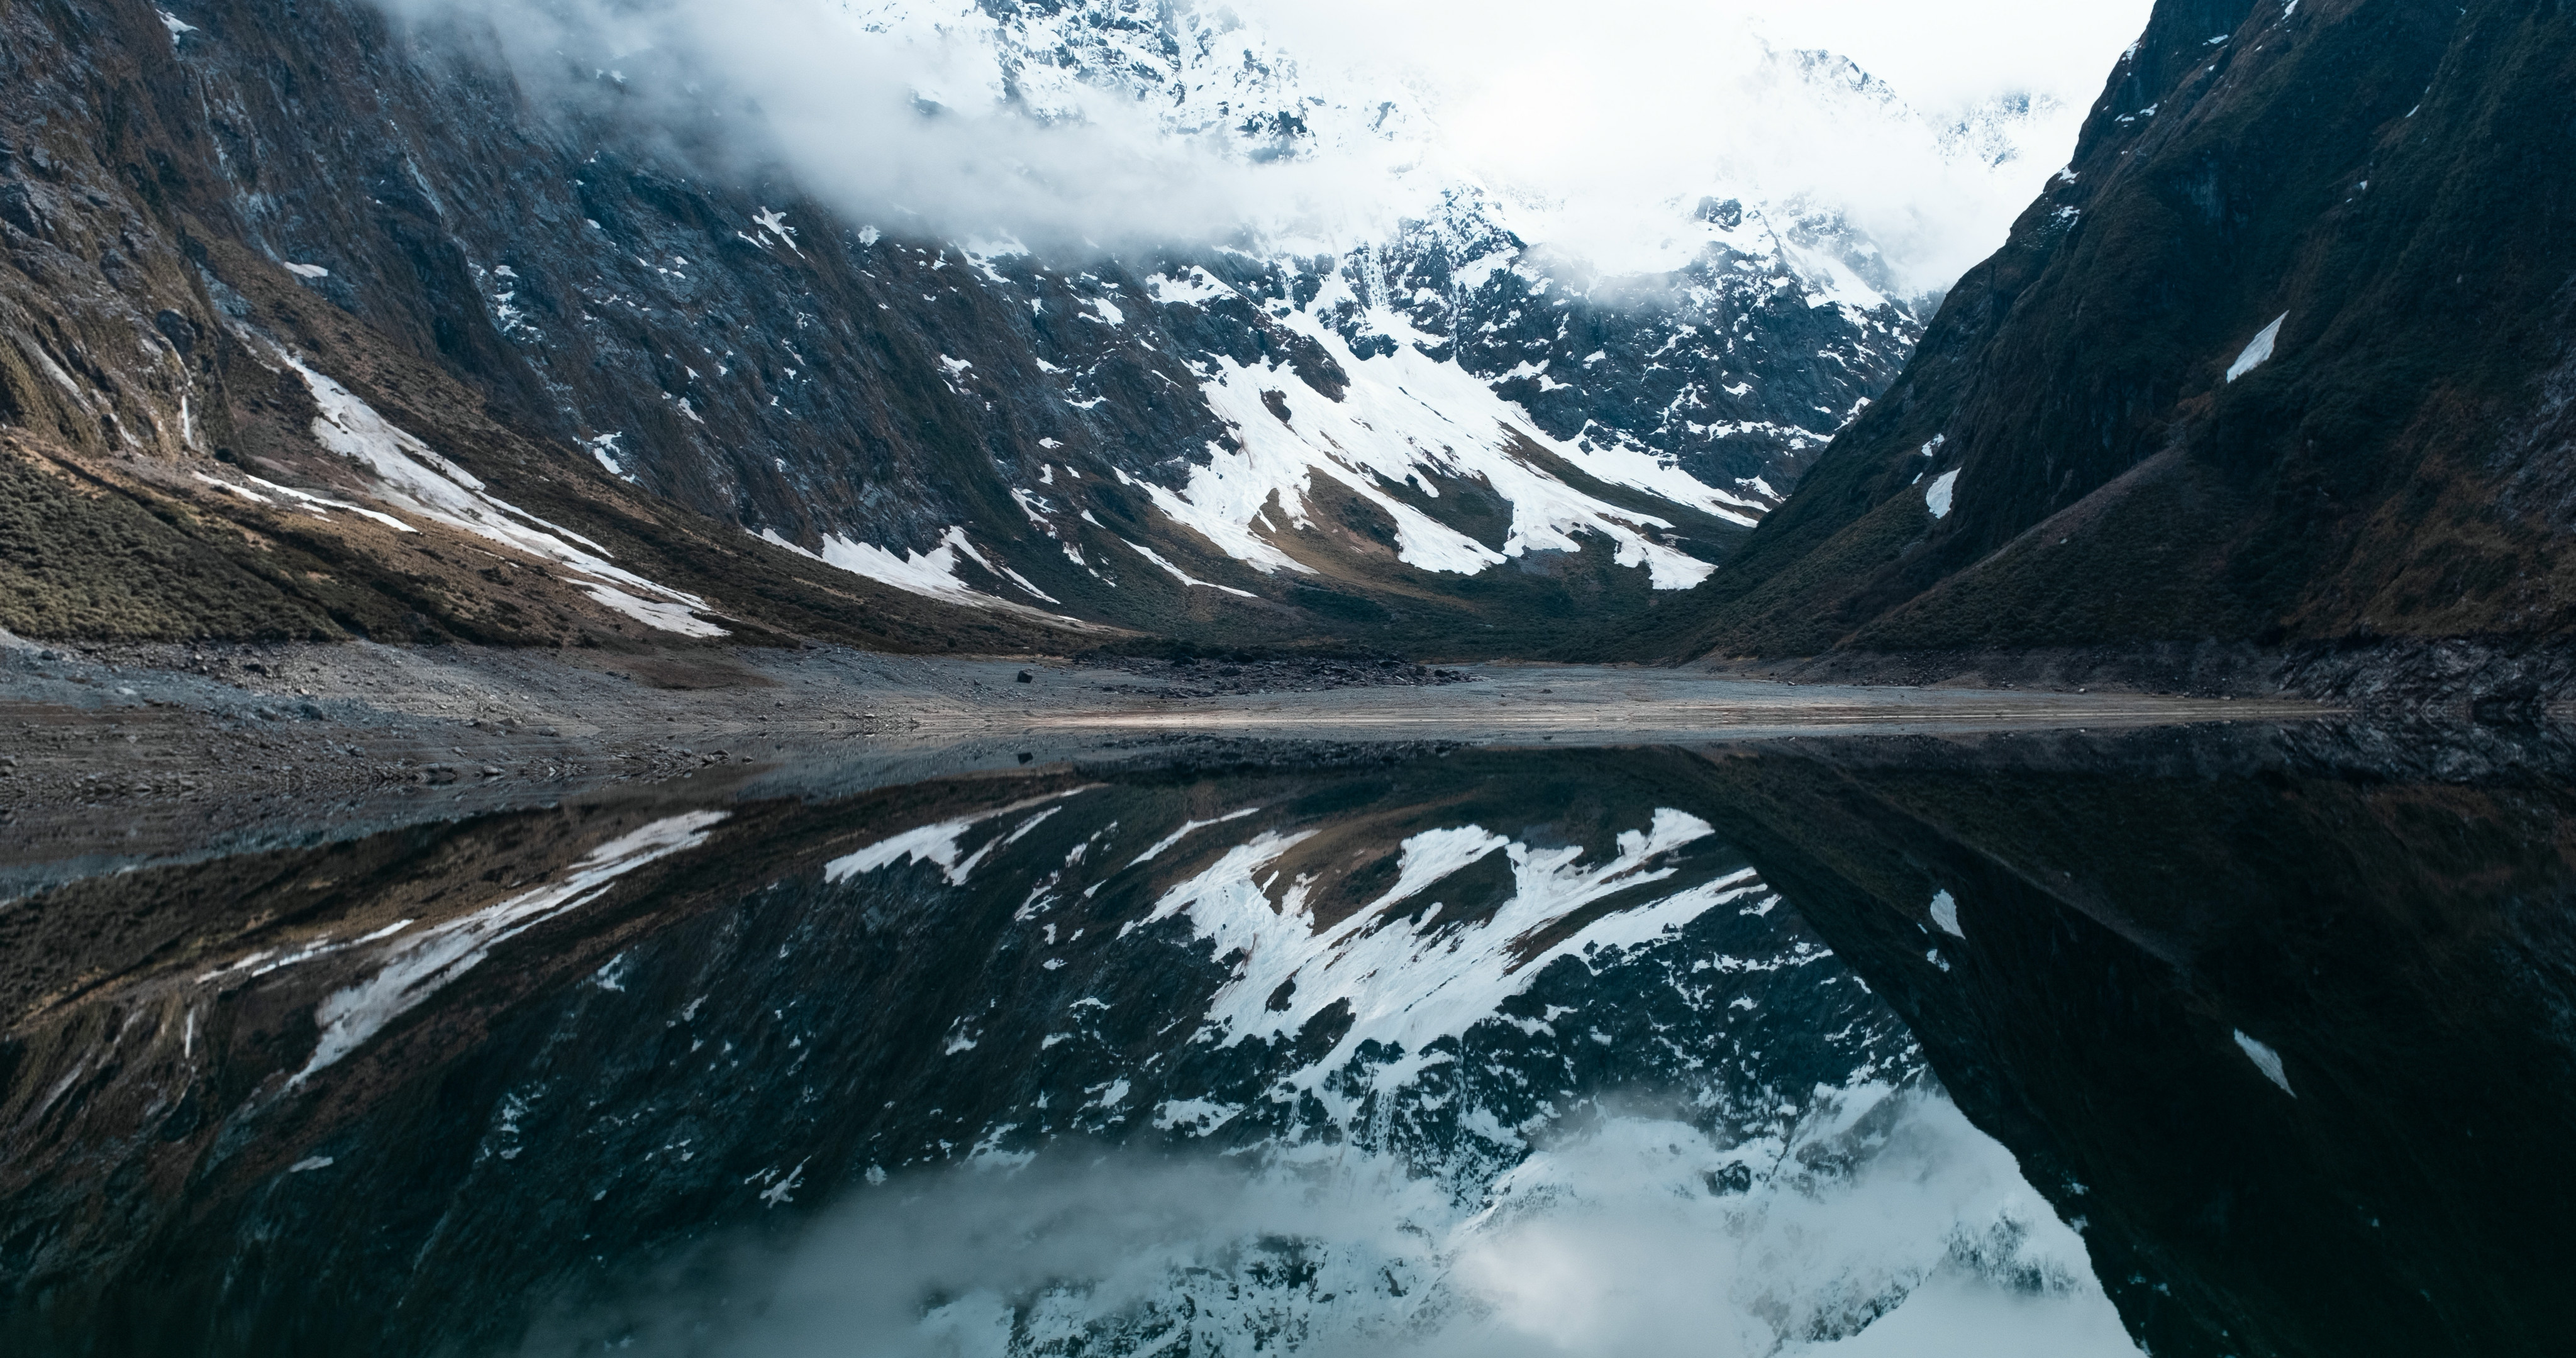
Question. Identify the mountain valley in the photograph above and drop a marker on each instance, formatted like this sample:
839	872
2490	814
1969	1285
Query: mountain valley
1170	679
1447	440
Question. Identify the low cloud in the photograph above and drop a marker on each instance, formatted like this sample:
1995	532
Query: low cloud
1598	125
1607	117
1906	1232
901	133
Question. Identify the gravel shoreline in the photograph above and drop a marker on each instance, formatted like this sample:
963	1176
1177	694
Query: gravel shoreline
120	754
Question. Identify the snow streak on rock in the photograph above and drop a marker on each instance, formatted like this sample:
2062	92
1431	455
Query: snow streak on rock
1411	979
2259	352
1404	419
405	473
931	574
938	843
418	968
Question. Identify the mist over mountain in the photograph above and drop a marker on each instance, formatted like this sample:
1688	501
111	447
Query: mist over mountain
1069	316
1118	124
1068	678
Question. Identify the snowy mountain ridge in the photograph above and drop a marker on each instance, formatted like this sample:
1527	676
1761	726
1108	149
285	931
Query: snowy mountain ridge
1391	397
1664	375
1364	154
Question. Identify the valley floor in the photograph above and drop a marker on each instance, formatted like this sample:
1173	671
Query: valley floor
132	754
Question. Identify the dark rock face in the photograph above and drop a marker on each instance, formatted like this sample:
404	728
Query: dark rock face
148	318
2138	454
728	343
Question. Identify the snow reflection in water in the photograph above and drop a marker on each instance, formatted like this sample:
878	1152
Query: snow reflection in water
1476	1053
1463	1213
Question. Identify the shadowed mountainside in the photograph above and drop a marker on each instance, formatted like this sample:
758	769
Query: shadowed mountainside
2283	357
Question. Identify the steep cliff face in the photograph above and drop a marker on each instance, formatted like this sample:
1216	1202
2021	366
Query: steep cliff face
2282	356
1445	438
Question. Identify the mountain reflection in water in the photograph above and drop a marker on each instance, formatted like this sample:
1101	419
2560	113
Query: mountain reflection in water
1910	1048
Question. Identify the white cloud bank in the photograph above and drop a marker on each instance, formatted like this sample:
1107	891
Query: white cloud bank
1606	115
1599	123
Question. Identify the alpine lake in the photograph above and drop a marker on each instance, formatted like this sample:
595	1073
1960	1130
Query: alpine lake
2233	1040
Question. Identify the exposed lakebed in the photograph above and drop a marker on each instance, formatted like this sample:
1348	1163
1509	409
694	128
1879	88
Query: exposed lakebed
121	757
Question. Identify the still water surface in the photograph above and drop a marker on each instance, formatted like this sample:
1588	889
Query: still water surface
2191	1044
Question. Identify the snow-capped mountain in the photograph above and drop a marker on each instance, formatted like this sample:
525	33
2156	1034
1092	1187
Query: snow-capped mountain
1772	322
1420	418
1451	393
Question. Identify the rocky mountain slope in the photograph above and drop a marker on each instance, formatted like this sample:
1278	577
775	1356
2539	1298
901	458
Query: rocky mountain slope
330	323
198	444
2283	357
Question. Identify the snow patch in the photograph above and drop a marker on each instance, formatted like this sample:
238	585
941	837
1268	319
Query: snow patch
931	574
773	223
604	449
2259	352
784	1190
409	476
1181	575
1189	828
419	968
2267	1061
1409	978
311	503
1195	288
1937	496
1410	418
1198	1117
939	844
1945	914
